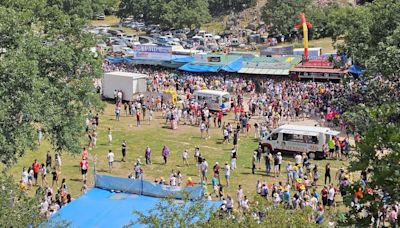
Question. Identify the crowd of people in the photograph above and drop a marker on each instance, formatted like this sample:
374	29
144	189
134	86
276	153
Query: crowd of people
258	106
52	194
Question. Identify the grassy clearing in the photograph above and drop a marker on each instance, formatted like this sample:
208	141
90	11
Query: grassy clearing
108	21
156	135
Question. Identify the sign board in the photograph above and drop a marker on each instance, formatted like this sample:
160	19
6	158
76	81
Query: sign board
152	52
214	59
268	51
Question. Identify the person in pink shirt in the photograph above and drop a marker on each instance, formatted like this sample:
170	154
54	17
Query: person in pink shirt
393	217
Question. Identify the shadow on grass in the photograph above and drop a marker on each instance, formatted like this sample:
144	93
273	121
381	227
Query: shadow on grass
75	180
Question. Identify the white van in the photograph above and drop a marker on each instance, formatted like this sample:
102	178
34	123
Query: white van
297	139
215	100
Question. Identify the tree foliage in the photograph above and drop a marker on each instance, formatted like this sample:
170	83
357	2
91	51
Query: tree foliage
46	76
167	13
369	34
220	7
282	15
16	208
172	213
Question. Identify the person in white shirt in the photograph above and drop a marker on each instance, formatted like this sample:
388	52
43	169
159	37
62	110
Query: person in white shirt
150	116
331	196
279	155
229	204
24	176
299	159
185	156
110	157
204	168
226	136
202	129
227	172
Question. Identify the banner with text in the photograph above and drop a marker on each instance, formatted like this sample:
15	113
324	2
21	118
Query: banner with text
152	52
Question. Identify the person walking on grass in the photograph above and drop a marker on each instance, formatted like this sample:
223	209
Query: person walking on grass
202	129
84	165
54	173
36	169
147	155
233	158
110	158
137	118
227	172
109	136
276	166
150	116
43	173
185	156
165	154
204	169
254	163
123	150
327	173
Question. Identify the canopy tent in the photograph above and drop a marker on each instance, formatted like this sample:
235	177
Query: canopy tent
183	59
213	64
200	68
269	65
355	70
236	65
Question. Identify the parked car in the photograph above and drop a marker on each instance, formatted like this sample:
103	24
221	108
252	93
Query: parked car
127	51
235	42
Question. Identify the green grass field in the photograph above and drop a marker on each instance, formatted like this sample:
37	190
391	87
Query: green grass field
156	135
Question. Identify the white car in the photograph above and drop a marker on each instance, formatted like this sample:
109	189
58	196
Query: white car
127	51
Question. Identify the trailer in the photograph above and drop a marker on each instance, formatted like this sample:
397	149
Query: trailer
128	83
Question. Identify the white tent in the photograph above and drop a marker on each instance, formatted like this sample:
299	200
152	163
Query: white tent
129	83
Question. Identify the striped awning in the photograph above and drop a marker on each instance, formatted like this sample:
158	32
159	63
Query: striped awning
264	71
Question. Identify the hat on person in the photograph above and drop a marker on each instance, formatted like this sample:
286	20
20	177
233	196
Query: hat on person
189	179
216	163
279	153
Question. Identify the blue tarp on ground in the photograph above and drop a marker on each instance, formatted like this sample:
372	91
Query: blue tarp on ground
102	208
355	70
147	188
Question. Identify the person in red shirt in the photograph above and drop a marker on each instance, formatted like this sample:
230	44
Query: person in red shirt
85	153
35	168
190	182
219	118
324	194
84	164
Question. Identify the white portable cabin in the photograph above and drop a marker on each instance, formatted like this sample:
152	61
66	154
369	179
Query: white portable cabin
312	52
294	139
216	100
129	83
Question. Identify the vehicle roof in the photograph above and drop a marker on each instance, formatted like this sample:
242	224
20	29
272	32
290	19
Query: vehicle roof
212	92
309	129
